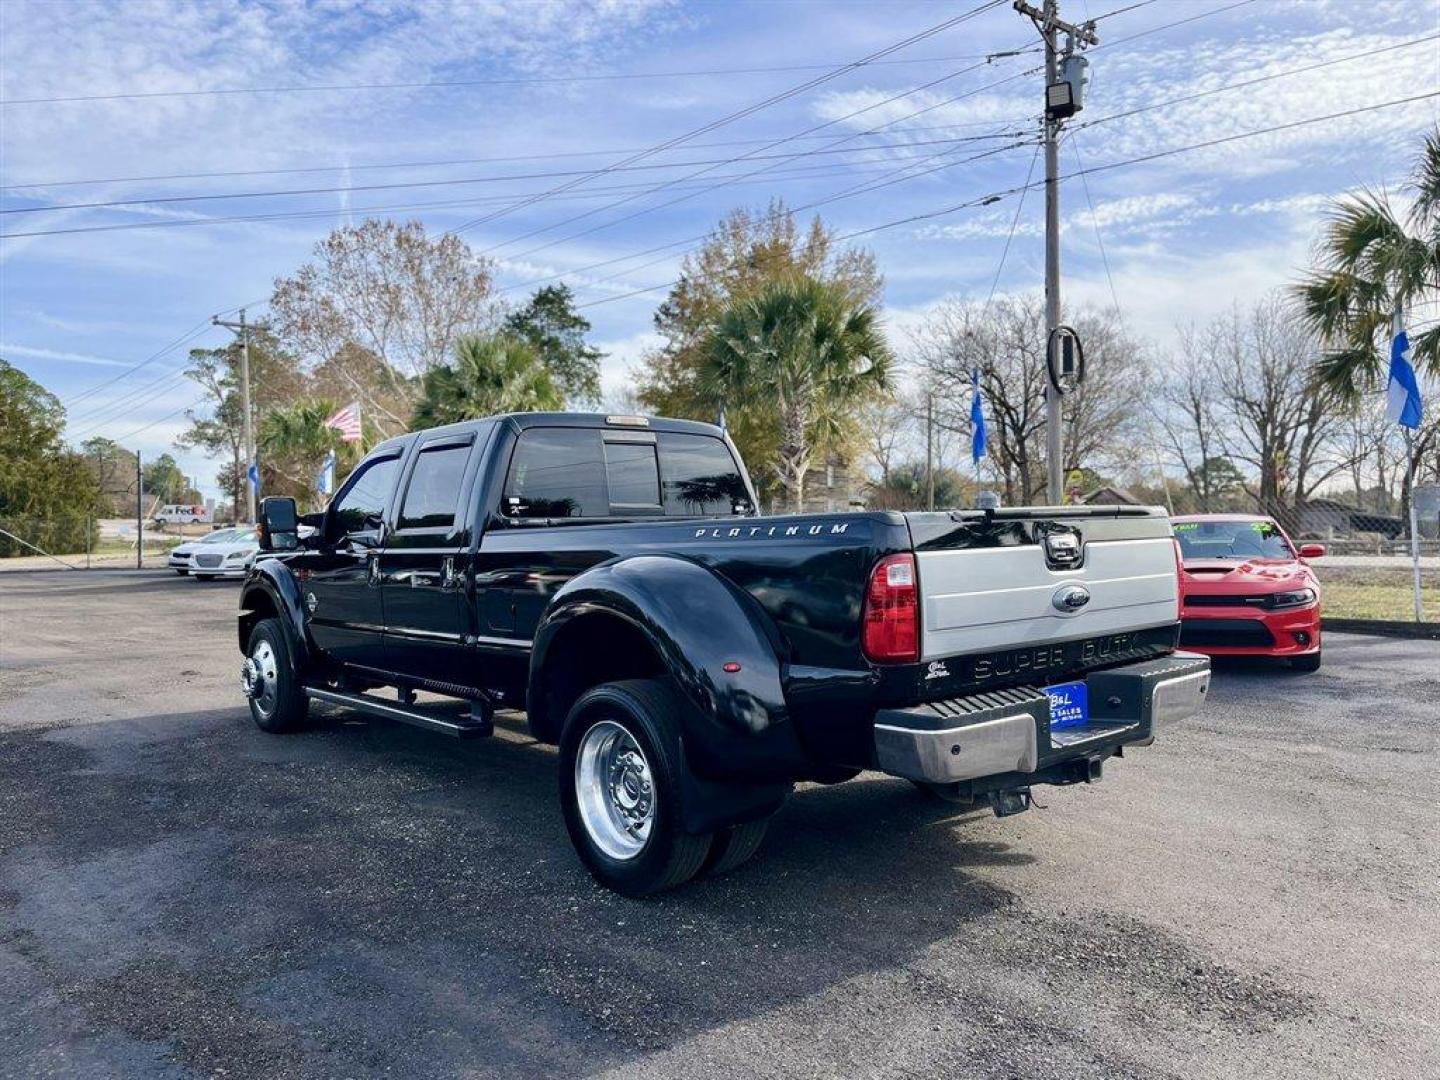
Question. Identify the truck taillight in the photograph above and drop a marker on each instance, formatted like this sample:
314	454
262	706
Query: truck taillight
891	619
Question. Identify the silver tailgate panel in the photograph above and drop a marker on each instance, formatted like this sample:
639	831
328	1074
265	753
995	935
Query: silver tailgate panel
982	599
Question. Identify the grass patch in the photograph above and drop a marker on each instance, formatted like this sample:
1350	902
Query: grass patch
1378	593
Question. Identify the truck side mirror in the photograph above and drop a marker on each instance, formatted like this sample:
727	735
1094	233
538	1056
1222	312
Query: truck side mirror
279	524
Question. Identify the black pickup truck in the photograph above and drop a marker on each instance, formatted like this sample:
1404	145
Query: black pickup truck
610	576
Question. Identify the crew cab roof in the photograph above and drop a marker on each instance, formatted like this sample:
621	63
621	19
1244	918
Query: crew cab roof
522	420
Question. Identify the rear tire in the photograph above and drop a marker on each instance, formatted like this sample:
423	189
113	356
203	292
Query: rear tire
277	701
734	846
620	777
1307	663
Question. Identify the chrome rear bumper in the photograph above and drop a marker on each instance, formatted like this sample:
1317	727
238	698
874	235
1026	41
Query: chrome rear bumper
1009	731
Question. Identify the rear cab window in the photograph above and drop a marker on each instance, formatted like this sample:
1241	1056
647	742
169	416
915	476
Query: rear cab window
699	477
603	474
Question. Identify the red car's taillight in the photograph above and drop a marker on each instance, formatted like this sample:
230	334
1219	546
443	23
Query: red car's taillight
891	619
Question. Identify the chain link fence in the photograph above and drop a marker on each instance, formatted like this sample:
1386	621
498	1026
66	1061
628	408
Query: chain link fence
80	542
1367	571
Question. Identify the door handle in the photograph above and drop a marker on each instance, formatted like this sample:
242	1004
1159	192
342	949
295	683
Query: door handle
372	570
449	579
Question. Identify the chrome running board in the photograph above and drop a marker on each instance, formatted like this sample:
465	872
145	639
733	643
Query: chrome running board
460	720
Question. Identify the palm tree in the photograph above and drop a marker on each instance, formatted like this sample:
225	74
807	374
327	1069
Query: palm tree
492	373
293	442
1371	264
805	348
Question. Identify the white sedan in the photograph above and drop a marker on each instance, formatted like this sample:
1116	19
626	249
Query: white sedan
227	553
181	554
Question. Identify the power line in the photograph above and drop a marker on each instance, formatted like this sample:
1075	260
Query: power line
193	332
177	343
490	179
449	163
118	406
912	115
861	189
829	123
826	150
751	109
1167	26
458	83
1014	224
1255	81
804	172
909	116
996	196
1095	220
161	420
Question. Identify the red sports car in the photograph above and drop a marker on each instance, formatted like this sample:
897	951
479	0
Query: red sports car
1246	590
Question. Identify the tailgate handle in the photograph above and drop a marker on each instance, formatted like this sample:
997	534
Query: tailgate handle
1063	550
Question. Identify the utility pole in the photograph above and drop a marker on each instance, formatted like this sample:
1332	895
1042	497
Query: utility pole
244	332
1061	101
139	514
929	451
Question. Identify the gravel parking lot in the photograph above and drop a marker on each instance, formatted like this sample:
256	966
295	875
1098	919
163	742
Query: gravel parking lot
180	895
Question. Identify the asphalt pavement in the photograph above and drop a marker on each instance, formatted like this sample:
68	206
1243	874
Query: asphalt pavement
1257	894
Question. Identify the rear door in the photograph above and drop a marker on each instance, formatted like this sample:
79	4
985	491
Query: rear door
423	569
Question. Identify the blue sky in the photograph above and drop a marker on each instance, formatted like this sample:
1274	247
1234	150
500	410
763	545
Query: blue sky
1186	235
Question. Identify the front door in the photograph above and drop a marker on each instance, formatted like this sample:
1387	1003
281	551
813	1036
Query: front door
424	571
340	582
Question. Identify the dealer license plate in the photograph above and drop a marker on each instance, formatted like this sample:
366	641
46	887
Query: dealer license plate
1069	705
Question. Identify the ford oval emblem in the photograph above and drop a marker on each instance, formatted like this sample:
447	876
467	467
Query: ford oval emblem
1070	598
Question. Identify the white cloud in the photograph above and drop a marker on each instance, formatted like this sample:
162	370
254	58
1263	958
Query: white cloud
38	353
622	357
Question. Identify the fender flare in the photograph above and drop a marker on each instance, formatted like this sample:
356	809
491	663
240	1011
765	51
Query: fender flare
274	580
697	622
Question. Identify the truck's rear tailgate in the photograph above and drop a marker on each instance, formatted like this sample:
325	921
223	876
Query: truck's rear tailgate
1029	576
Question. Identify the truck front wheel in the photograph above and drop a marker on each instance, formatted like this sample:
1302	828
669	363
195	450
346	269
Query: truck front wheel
620	788
277	701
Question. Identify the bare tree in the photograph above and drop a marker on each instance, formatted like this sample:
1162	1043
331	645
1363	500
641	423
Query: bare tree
389	290
1005	342
1184	412
1272	415
886	420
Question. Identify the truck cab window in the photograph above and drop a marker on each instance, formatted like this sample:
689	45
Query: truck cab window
434	490
633	477
556	473
699	477
365	496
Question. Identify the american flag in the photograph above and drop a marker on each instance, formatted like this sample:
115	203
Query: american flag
347	422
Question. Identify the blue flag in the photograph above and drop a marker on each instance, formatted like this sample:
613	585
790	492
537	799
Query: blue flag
253	472
325	478
977	419
1403	391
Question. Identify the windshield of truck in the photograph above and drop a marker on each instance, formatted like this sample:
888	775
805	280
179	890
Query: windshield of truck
1232	540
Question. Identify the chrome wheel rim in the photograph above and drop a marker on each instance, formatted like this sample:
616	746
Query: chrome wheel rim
260	678
615	791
